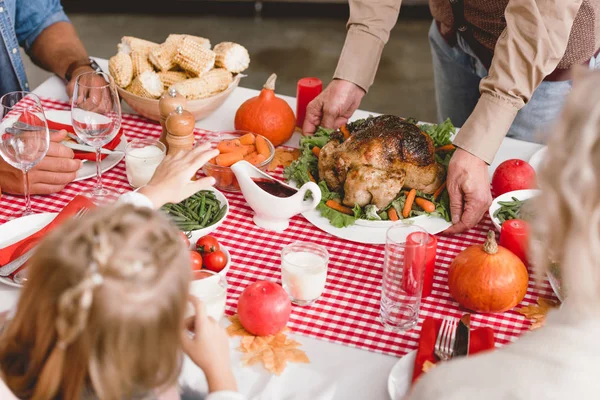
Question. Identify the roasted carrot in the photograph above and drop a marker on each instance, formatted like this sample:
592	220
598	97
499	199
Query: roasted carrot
312	178
393	214
425	204
439	191
409	202
345	131
229	146
444	148
228	159
255	158
248	138
316	151
339	207
262	146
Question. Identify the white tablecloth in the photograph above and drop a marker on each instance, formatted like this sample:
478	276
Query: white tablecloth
335	371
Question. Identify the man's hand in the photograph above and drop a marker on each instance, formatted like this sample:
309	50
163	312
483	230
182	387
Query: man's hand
51	175
76	73
468	185
333	107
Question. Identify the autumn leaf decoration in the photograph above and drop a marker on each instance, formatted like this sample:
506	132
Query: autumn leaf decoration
283	157
537	312
273	351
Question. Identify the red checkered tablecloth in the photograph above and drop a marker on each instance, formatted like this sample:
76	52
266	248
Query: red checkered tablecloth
348	311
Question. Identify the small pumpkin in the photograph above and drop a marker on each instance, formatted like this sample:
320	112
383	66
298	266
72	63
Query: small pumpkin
487	278
267	115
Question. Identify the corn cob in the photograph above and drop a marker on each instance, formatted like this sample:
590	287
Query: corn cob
232	56
147	84
211	83
140	63
121	69
177	38
170	77
194	58
163	56
130	43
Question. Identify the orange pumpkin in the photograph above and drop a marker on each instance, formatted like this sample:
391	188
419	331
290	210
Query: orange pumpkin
487	278
267	115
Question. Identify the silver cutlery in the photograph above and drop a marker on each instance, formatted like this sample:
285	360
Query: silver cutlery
89	149
444	345
26	127
15	264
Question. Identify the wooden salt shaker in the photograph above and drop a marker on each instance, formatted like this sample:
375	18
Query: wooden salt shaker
168	102
180	130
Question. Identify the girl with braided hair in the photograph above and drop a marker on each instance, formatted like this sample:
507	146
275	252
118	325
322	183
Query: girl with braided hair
102	314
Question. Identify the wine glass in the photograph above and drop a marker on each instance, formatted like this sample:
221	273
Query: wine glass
96	118
24	135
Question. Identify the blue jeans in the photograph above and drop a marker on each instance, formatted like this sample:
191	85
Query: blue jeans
457	72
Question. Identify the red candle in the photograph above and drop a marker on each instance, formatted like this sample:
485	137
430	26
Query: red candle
308	89
431	249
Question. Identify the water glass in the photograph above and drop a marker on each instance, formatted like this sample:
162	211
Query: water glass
96	118
304	271
403	270
211	289
24	135
142	157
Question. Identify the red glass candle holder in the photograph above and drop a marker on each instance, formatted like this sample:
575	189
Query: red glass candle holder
430	257
307	90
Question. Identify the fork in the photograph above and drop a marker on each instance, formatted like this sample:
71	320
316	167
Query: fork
15	264
444	345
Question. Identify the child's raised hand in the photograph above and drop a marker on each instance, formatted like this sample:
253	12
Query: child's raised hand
171	182
209	349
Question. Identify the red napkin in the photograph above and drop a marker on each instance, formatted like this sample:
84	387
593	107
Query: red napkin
481	339
82	155
15	250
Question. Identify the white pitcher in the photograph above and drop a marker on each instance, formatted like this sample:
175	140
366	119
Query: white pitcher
272	212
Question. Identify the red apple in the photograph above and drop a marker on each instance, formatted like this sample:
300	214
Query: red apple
513	175
264	308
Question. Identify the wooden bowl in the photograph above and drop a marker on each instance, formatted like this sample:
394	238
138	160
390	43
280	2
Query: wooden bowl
200	108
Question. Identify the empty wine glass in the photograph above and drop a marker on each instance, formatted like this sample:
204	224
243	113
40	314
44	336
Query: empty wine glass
22	147
96	117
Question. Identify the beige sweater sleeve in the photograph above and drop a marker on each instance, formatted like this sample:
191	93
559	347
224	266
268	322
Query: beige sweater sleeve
369	29
529	49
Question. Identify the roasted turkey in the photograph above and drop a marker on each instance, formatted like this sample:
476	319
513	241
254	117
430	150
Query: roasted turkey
382	156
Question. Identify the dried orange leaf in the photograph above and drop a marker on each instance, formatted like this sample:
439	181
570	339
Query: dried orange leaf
537	312
236	328
428	366
283	157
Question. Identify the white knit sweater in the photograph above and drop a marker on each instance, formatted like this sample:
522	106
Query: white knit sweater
559	361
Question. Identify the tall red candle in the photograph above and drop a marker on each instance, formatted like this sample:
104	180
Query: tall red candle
431	249
308	89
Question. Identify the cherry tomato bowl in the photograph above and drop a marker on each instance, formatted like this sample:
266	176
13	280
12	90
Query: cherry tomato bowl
518	194
223	272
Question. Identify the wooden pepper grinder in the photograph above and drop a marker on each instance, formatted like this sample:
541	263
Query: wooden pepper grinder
180	130
168	102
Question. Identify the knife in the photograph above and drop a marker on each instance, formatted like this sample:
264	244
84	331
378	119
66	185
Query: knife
90	149
463	331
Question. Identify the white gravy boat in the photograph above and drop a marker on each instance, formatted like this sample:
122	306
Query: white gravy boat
273	212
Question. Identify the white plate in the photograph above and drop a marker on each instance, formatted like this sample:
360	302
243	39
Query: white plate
20	228
537	158
400	377
88	169
519	194
373	232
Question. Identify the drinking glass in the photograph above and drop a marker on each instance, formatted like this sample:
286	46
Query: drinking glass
142	157
96	117
403	270
304	271
24	135
211	288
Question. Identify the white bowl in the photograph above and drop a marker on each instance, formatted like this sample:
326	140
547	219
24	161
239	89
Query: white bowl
518	194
